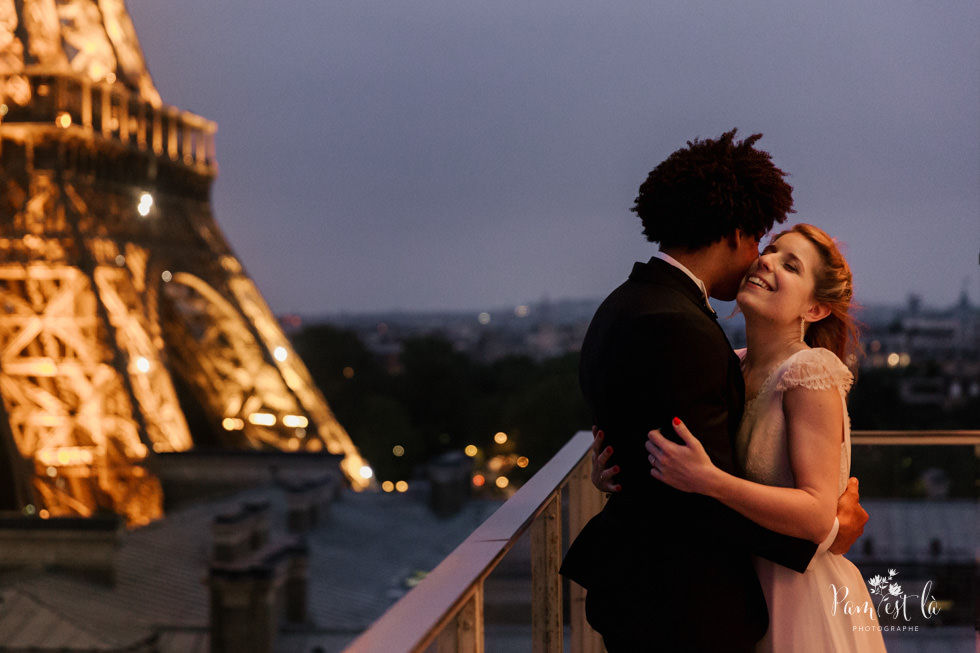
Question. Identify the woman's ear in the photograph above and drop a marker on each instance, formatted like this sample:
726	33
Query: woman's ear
817	312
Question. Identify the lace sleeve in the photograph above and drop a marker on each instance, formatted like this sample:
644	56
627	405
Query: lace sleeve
815	369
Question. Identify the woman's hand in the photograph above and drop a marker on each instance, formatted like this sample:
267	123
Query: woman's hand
686	467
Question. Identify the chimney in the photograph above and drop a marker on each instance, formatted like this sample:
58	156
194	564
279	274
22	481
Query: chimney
300	507
297	584
255	581
243	611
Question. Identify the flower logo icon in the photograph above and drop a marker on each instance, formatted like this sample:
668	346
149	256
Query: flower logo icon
884	586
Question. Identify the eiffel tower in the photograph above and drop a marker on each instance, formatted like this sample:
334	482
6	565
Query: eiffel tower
124	313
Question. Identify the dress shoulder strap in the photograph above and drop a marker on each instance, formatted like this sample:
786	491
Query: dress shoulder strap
814	369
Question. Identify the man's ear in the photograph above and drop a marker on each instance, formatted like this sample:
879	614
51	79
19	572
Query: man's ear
734	239
817	312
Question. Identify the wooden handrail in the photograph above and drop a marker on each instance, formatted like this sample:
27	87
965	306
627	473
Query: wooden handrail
447	606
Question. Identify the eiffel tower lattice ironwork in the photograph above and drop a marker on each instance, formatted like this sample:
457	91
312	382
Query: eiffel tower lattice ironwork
124	314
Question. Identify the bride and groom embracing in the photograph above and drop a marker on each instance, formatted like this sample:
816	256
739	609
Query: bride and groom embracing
727	539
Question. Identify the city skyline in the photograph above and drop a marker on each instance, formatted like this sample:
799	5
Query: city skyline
437	156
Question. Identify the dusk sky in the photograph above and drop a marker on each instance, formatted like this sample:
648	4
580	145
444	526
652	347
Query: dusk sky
450	154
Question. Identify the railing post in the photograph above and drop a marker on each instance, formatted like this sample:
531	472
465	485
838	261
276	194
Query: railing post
124	118
546	612
464	634
87	104
172	134
158	113
106	117
584	501
141	128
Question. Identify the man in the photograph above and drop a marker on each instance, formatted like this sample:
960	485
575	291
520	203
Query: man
667	570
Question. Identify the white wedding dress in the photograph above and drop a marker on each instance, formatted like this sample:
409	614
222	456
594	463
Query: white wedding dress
828	608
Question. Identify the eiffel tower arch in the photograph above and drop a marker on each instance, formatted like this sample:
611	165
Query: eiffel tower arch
122	305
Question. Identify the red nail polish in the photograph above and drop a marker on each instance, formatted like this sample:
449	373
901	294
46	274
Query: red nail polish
677	421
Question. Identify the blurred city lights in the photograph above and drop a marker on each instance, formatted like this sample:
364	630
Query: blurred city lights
483	318
59	456
500	437
348	372
295	421
366	472
146	203
388	486
502	482
401	486
479	480
143	365
167	276
262	419
522	462
398	450
64	120
471	450
280	354
232	424
893	359
522	311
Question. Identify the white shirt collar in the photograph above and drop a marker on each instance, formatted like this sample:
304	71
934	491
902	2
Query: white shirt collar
667	258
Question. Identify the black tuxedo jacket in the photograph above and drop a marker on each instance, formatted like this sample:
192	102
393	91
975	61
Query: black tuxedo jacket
663	567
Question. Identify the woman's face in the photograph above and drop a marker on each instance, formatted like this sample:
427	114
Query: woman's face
781	282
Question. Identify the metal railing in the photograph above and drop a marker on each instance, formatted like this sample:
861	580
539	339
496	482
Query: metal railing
58	101
446	608
445	611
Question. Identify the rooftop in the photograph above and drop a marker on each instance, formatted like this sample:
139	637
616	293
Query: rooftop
363	557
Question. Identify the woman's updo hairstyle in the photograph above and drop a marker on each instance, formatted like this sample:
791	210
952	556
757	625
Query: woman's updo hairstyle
839	331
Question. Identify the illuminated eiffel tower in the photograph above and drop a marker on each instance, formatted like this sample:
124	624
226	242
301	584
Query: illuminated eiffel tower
123	311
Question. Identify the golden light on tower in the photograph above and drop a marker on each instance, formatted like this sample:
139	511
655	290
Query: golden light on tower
120	300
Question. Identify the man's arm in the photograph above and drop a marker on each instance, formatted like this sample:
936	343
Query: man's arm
850	515
852	518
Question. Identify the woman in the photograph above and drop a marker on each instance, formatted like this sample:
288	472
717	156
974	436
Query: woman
793	442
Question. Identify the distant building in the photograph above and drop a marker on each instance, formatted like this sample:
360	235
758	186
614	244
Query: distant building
938	350
540	331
